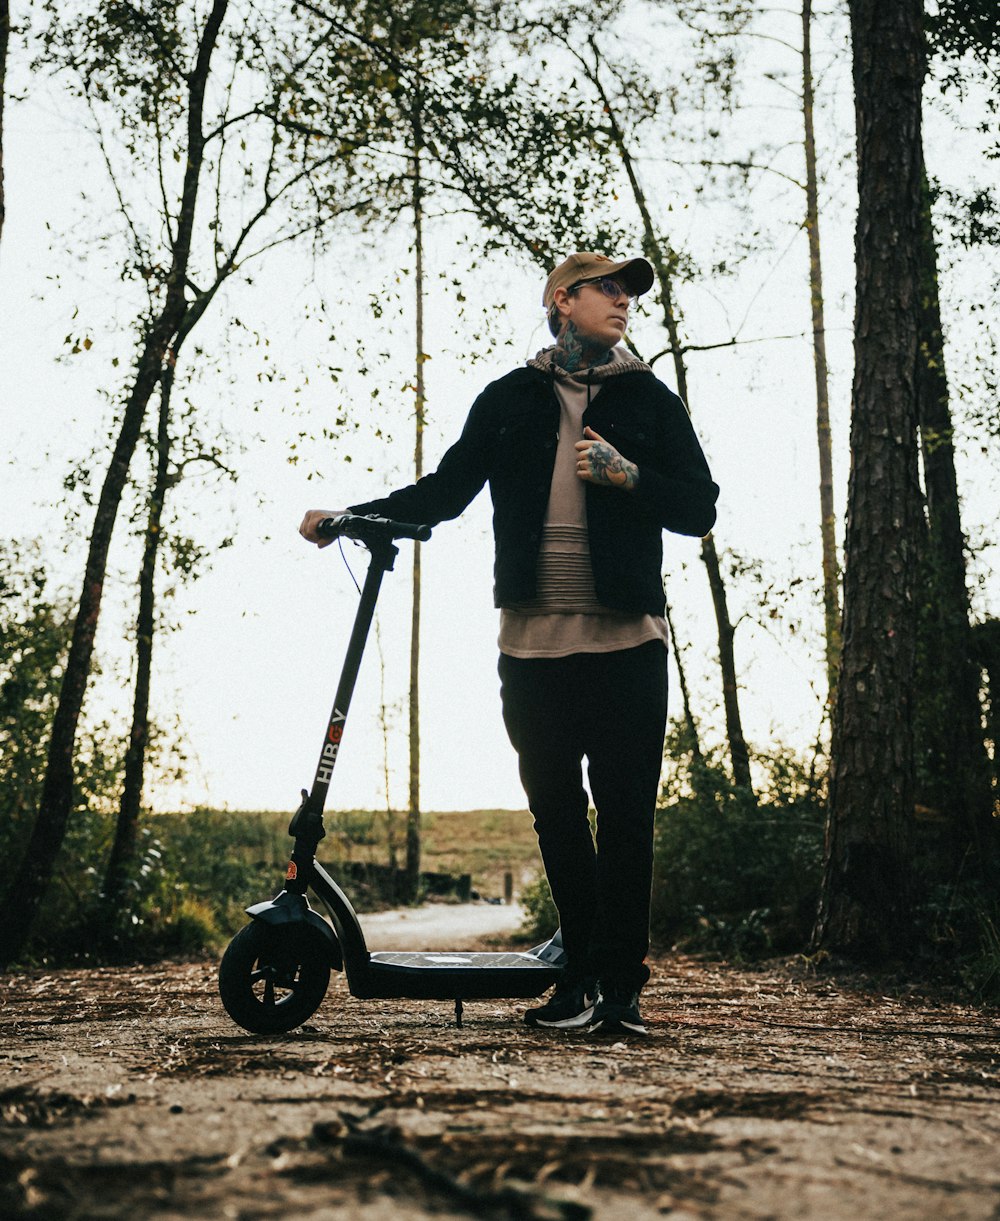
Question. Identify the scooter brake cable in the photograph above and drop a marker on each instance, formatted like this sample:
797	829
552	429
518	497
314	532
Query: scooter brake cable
340	544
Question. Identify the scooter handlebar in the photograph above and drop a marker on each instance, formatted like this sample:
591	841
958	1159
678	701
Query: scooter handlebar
371	529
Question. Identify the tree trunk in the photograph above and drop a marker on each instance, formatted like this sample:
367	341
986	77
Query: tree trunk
953	770
866	893
697	758
122	856
31	880
660	260
413	814
828	526
739	755
4	44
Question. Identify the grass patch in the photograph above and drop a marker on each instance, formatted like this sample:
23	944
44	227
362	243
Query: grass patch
486	844
483	843
196	871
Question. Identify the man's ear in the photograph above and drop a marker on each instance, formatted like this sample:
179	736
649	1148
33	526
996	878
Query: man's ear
561	300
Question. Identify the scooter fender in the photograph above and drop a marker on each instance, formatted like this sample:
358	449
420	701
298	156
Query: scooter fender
287	908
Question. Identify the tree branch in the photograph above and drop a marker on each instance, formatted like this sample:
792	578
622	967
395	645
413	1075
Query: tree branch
734	342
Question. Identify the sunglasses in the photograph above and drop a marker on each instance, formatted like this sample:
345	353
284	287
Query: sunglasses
608	286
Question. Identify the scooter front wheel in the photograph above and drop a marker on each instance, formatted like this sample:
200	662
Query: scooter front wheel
272	978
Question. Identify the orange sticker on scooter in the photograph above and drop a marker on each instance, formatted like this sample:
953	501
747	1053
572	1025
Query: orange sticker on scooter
292	873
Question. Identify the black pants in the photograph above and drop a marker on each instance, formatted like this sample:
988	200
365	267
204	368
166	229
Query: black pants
611	708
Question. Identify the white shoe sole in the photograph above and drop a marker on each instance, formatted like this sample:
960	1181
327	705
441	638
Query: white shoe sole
609	1026
573	1023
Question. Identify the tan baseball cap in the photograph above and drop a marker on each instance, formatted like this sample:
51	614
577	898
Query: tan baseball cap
635	274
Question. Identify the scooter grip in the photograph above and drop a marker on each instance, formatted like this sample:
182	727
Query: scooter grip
354	526
403	529
328	528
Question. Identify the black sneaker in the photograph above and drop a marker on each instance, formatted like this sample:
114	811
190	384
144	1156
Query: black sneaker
570	1007
616	1011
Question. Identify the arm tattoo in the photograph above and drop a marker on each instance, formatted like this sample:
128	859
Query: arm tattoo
606	465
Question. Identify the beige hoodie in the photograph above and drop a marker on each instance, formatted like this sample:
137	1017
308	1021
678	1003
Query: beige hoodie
565	616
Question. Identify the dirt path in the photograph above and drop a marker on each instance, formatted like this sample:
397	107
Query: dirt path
439	926
127	1092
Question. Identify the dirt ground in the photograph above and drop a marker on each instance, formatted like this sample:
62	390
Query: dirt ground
758	1094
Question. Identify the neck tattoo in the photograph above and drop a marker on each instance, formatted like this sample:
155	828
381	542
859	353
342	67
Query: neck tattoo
574	352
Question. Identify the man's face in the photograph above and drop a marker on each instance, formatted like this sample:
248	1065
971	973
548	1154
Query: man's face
598	316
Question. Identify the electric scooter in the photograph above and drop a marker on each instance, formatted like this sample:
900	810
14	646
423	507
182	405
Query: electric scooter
276	970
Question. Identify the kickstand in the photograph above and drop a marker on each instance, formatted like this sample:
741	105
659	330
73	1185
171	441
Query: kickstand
458	1012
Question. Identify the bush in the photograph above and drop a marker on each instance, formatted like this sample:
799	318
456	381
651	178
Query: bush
735	876
732	876
980	966
35	628
195	874
961	926
187	886
540	916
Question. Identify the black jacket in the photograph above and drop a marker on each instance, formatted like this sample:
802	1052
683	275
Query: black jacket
509	439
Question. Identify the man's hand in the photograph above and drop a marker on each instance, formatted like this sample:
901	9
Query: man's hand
599	462
312	520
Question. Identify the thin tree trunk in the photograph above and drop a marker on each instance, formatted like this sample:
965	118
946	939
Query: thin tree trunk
697	758
31	880
828	527
122	856
4	44
865	905
390	816
738	753
954	765
986	644
699	771
413	815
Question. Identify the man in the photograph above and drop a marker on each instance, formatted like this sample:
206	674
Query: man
589	458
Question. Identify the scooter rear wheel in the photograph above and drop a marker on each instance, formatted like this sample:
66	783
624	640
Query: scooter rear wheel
272	978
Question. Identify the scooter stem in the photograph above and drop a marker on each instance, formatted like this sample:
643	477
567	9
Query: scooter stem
307	823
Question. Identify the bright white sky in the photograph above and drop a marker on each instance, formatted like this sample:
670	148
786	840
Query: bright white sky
250	673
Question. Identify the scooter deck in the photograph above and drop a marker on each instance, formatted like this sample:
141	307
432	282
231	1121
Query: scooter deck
422	974
436	960
454	975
